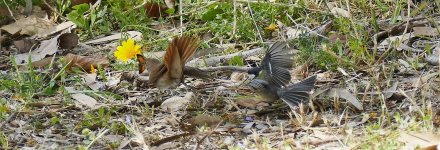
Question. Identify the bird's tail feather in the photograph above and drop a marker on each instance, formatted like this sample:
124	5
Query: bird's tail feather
298	93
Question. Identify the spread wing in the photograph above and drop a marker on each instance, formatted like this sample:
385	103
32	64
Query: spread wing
172	60
276	64
187	47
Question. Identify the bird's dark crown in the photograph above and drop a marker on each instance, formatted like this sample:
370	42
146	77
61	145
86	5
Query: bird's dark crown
255	71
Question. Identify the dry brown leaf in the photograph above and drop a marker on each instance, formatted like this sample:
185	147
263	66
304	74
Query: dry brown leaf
155	10
292	33
340	12
170	3
248	102
205	119
24	45
175	103
135	35
395	39
42	63
413	140
47	47
345	94
423	79
387	93
91	82
84	100
333	38
31	25
60	27
239	76
433	59
85	62
77	2
425	31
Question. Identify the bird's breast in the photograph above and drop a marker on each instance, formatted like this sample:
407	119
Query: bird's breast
165	82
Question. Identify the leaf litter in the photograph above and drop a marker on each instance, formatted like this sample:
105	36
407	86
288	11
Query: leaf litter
220	113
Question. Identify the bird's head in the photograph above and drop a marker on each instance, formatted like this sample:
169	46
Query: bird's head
255	71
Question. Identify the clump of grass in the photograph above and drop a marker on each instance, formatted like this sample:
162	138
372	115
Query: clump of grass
101	119
310	49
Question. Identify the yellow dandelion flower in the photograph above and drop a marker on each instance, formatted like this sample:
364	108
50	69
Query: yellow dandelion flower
127	50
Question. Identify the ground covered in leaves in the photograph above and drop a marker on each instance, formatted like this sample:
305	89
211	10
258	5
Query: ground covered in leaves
61	86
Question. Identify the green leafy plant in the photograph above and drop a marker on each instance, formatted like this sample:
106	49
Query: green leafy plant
3	109
4	141
26	84
101	119
236	61
92	20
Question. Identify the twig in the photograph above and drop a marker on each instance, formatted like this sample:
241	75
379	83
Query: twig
12	116
226	68
397	28
253	20
194	11
100	134
10	12
234	22
53	10
172	138
139	6
309	30
215	60
210	133
181	17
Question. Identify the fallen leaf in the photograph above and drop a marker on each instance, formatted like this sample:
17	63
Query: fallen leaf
414	140
113	80
24	45
155	10
423	79
84	99
292	33
135	35
31	25
205	119
333	38
175	103
91	82
425	31
248	102
393	39
239	76
170	3
47	47
340	12
248	127
84	62
434	57
77	2
108	139
345	94
56	29
41	63
387	93
342	71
